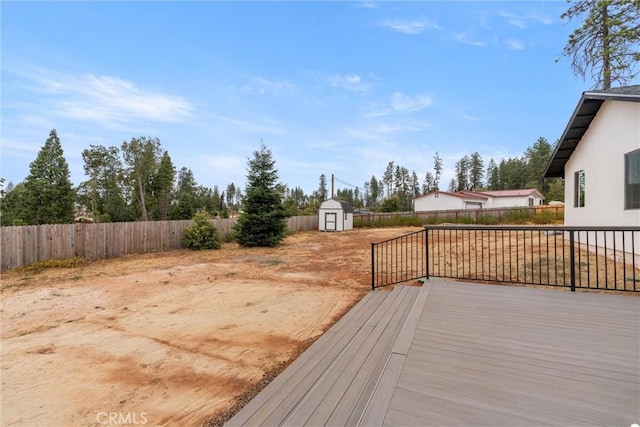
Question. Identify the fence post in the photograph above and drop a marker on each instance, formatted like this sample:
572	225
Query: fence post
572	261
426	246
373	267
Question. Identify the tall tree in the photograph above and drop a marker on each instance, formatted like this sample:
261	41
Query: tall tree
321	193
49	194
12	205
141	157
375	192
536	158
493	180
476	171
437	172
262	221
185	202
606	45
415	184
462	173
163	186
387	178
428	183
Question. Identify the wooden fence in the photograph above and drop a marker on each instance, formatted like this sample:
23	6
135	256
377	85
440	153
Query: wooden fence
28	244
557	211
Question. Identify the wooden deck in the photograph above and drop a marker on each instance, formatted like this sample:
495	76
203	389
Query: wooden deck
454	353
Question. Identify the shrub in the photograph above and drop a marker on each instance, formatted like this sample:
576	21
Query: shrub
519	216
487	220
202	234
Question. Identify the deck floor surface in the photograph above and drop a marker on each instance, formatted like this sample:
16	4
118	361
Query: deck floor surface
454	353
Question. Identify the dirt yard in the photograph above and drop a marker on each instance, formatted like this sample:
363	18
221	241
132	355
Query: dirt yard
169	338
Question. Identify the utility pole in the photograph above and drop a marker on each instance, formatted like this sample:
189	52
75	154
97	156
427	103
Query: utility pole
332	184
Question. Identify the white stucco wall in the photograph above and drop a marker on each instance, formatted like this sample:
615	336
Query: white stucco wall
614	132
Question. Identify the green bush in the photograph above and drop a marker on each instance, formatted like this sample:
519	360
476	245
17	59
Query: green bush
202	234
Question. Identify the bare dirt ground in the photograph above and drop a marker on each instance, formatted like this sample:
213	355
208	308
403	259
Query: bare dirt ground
169	338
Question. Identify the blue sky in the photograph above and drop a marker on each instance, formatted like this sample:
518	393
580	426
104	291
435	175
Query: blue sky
330	87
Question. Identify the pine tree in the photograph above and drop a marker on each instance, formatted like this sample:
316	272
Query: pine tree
607	42
49	194
437	168
262	221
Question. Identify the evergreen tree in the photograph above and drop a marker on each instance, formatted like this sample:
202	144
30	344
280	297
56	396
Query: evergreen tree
476	171
536	158
262	221
387	178
321	193
607	42
185	203
12	205
49	194
428	184
462	173
437	169
163	186
492	175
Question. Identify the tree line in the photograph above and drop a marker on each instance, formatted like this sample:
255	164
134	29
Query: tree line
136	181
398	186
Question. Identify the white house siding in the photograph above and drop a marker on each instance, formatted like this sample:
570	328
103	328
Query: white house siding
443	202
516	201
614	132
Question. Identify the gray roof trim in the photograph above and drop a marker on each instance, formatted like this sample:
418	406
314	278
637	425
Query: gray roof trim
583	115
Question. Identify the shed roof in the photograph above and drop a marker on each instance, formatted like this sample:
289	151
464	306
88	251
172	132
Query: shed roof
583	115
345	206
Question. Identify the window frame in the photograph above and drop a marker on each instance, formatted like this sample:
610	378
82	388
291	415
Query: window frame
579	188
627	184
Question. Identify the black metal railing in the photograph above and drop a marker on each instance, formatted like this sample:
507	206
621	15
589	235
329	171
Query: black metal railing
606	258
399	260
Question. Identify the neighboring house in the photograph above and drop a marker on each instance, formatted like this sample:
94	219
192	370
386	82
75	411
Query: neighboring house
598	155
335	215
444	200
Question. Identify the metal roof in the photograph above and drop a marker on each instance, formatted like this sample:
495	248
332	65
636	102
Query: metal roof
583	115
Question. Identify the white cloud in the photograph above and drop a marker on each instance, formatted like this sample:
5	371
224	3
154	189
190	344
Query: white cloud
108	98
264	86
469	39
514	44
366	5
408	104
523	21
351	82
410	26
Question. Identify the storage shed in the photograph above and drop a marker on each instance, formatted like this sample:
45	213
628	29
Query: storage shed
335	215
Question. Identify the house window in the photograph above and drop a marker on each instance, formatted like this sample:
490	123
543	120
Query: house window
530	201
632	180
579	191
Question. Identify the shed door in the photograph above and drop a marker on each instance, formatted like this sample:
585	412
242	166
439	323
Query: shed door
330	220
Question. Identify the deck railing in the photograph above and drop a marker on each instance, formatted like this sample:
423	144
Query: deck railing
606	258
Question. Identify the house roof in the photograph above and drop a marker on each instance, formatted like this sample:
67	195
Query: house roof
514	193
484	195
460	194
583	115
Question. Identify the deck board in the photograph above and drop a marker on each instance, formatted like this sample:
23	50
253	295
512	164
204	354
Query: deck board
454	353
